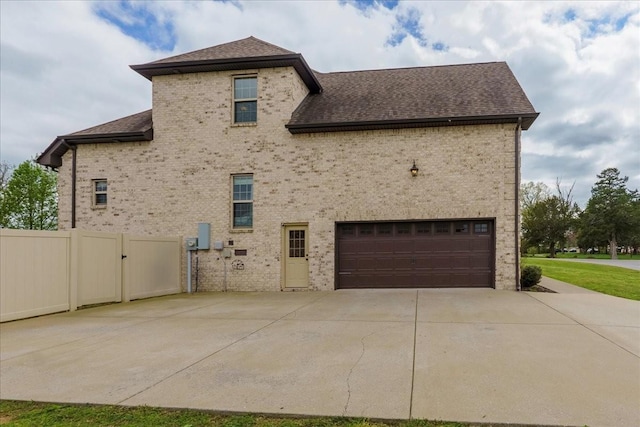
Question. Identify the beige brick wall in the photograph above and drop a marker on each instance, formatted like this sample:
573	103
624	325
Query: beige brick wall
167	186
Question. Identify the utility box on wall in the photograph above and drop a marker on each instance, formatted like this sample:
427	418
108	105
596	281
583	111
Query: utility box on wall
192	243
204	232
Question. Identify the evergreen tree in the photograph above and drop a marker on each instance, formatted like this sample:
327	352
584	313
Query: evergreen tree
611	214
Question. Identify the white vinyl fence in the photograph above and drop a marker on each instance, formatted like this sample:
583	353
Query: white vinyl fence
44	272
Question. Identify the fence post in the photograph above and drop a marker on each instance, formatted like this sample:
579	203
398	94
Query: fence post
74	268
126	270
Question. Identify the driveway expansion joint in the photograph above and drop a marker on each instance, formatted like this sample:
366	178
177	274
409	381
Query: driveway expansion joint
586	326
413	361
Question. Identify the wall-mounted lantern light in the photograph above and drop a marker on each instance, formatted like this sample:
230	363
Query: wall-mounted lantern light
414	169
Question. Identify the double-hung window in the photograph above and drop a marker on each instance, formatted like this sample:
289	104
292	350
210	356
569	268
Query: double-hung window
245	100
242	201
99	193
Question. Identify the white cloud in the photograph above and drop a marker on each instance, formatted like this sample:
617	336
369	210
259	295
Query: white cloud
63	68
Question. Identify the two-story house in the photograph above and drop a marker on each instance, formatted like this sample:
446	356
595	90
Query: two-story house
363	179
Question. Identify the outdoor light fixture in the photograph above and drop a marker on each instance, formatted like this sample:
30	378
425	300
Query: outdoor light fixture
414	169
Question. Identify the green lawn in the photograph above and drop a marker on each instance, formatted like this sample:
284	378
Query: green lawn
617	281
32	414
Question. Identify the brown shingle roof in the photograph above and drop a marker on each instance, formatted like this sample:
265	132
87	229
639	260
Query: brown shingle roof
137	127
140	122
245	54
245	48
413	96
358	100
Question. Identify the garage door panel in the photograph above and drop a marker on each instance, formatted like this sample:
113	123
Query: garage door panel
479	262
482	243
425	244
421	254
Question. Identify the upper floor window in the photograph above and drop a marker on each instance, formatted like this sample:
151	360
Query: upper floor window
245	99
99	192
242	201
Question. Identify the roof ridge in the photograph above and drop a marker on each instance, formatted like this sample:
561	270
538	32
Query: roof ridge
417	67
267	43
222	46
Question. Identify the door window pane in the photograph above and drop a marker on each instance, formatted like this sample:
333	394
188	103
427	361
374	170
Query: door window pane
462	227
442	228
385	229
366	229
296	244
403	228
423	228
480	228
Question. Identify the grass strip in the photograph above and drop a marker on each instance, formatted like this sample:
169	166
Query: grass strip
616	281
36	414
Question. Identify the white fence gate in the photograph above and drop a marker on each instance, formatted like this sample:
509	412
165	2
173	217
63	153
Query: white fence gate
44	272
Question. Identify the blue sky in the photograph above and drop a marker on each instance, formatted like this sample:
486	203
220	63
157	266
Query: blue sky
64	66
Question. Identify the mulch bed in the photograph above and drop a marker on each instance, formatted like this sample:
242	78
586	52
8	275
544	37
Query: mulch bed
538	288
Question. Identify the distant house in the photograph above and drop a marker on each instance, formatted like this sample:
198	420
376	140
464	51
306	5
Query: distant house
363	179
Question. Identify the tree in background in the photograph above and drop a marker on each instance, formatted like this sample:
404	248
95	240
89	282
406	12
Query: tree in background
612	212
29	200
547	219
532	193
5	174
633	238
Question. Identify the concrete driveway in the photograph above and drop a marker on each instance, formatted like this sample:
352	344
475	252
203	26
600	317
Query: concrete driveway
465	355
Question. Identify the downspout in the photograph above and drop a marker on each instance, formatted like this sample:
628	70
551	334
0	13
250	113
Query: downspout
74	155
516	202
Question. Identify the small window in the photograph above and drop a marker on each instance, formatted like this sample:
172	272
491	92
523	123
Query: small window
296	244
423	228
365	229
481	228
347	230
442	228
243	201
99	192
462	227
245	100
403	228
385	229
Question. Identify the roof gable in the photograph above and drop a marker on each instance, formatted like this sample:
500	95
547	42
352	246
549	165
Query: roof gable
250	47
249	53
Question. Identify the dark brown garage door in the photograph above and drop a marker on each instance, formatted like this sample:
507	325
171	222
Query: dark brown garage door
424	254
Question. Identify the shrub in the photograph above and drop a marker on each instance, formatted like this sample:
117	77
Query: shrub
532	250
530	276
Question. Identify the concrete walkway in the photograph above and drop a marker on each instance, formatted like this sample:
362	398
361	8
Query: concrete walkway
476	355
632	264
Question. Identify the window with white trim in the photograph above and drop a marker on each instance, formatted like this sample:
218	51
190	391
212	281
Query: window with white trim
245	99
242	201
99	193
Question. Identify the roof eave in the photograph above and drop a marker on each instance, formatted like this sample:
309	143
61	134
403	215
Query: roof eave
145	135
229	64
52	156
527	120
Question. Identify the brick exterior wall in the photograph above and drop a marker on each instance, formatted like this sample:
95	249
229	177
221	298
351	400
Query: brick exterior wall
165	187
